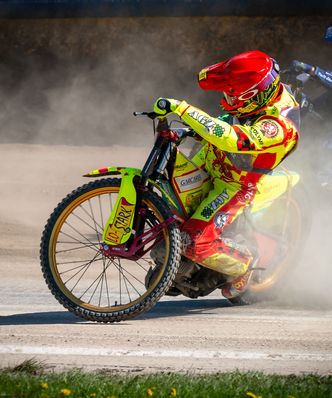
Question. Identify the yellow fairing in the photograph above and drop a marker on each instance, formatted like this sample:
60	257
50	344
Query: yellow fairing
119	225
190	183
271	186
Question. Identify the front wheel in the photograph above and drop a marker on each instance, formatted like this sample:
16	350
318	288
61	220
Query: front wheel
90	283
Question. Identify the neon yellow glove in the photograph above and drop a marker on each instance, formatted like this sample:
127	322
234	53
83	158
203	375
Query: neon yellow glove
165	106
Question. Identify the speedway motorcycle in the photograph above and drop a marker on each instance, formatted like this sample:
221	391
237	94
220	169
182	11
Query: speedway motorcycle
312	88
112	248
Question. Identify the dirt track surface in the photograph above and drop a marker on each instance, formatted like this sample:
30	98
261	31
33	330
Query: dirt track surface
179	334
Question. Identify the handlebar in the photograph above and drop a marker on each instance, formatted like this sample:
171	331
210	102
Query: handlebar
299	66
299	73
151	115
164	127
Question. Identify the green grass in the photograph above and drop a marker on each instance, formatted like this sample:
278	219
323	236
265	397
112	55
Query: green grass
30	380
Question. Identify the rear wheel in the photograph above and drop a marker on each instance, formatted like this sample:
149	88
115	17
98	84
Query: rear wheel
90	283
280	230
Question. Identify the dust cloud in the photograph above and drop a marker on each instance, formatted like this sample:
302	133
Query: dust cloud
307	284
68	109
77	82
51	98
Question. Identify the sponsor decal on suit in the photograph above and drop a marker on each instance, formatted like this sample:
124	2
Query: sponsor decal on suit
269	129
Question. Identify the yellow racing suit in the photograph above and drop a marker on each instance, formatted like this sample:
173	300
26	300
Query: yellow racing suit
237	157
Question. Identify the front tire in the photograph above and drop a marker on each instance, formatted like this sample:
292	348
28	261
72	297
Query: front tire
82	278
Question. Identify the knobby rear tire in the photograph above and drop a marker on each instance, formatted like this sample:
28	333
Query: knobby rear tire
299	225
55	278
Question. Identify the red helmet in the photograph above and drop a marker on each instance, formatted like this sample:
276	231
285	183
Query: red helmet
249	81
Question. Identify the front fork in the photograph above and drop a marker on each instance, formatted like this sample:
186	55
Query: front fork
136	248
119	227
132	244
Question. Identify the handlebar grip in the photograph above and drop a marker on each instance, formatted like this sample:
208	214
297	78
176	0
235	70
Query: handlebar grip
302	67
151	115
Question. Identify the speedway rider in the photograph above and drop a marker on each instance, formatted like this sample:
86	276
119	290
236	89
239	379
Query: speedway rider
257	131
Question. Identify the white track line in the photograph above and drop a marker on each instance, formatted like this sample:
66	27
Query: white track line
205	354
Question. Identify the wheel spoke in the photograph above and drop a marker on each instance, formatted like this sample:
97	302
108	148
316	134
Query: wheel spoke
124	281
123	271
73	262
107	290
98	278
85	267
94	228
75	248
93	218
84	237
101	210
141	266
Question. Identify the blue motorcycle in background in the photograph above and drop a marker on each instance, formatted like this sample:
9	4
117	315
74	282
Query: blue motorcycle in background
312	88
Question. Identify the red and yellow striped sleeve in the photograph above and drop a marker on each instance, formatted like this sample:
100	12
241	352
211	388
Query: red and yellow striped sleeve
262	136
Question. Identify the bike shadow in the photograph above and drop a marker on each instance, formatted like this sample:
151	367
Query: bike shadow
40	318
163	309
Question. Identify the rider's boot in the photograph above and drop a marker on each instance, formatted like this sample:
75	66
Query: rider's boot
237	286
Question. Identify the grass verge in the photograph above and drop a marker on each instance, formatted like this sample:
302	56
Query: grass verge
29	380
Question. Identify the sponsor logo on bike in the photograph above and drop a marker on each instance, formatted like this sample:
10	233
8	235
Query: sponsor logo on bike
122	222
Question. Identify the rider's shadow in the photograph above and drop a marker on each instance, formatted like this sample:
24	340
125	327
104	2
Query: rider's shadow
171	308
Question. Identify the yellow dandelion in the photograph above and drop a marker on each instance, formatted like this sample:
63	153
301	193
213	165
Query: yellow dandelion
252	395
43	385
93	394
173	392
65	391
150	391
